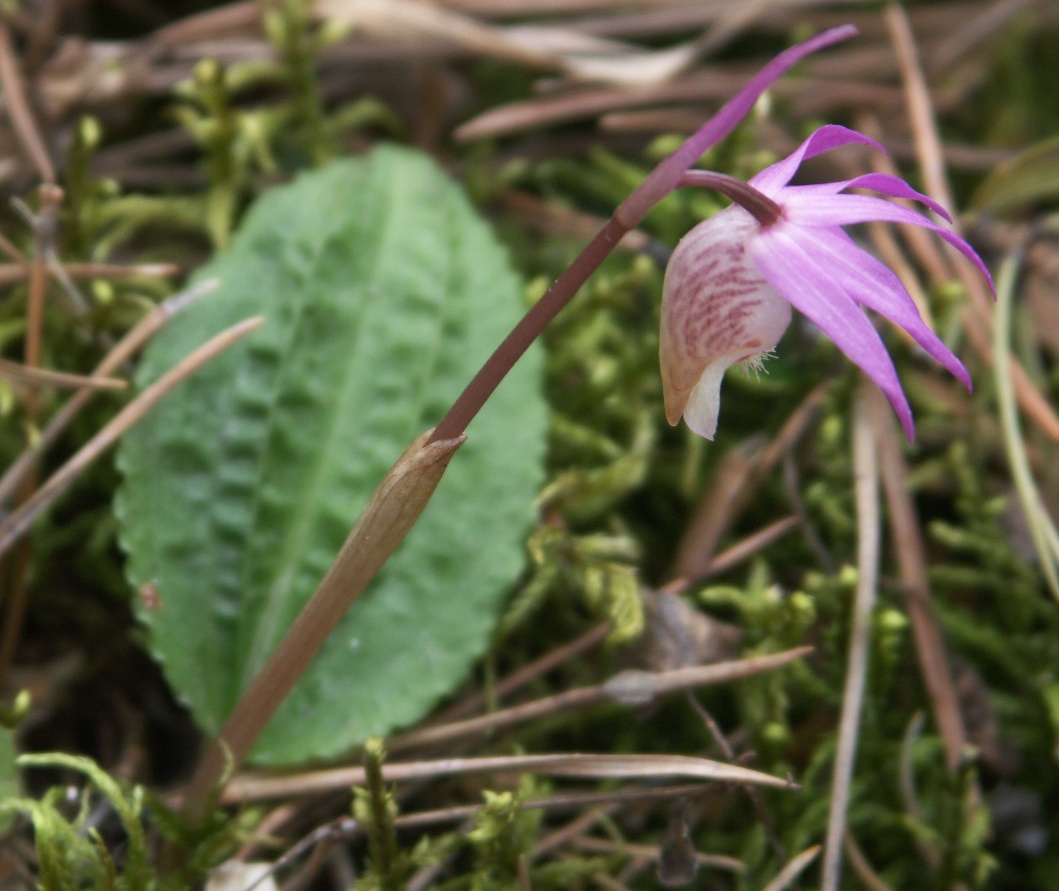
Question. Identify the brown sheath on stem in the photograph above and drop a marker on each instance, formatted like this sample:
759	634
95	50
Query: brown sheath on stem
390	513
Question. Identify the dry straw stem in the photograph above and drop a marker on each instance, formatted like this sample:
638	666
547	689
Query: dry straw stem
21	375
16	524
644	684
866	489
406	19
792	870
920	108
576	828
573	801
583	766
737	480
751	545
21	270
127	347
391	512
869	878
44	225
912	566
929	151
977	317
626	687
526	674
653	853
18	109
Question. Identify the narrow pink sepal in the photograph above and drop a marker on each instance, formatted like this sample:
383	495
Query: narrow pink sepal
883	183
824	139
873	284
844	210
664	178
791	268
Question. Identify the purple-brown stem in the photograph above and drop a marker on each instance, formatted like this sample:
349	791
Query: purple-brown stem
659	183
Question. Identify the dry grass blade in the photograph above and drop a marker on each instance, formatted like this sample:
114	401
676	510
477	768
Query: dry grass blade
589	766
869	878
928	145
653	852
530	672
549	110
18	108
736	481
9	274
628	687
19	374
752	544
912	565
979	29
16	524
128	346
866	486
924	124
407	18
547	216
792	870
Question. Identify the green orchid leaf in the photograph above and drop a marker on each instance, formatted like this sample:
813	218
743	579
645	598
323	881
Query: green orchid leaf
384	292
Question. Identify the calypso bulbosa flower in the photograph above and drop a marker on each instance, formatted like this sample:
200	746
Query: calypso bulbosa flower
733	279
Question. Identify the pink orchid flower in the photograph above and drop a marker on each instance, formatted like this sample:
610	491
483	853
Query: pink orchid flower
733	279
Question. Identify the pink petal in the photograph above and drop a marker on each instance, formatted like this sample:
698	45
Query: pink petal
873	284
877	182
785	258
829	137
717	310
844	210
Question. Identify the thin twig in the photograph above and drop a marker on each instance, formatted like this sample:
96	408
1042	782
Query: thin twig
912	565
653	852
45	227
866	486
749	546
527	673
578	765
22	375
577	827
871	880
15	525
17	272
792	870
128	346
753	794
920	108
18	108
632	687
931	160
